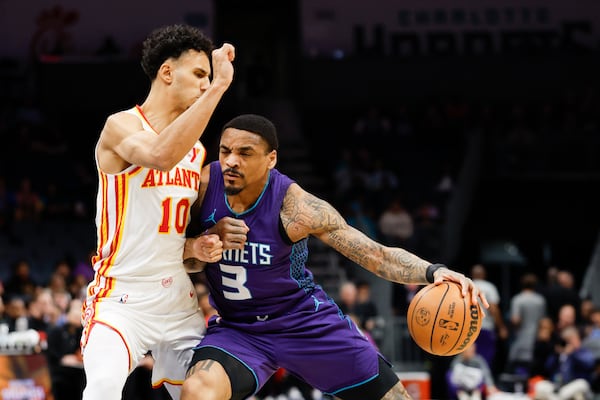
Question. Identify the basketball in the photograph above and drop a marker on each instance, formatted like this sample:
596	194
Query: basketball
441	321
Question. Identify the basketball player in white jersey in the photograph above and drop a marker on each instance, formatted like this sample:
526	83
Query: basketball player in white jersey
149	160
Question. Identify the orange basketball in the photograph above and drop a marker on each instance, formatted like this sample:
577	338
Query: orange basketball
441	321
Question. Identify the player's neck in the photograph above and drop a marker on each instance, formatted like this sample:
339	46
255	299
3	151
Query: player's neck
158	110
247	198
242	202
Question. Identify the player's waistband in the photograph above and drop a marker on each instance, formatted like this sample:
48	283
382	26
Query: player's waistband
310	302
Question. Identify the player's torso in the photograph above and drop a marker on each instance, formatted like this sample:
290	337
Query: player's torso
141	218
269	274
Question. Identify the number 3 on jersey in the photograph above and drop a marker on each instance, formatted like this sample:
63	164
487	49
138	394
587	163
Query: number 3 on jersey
179	213
236	283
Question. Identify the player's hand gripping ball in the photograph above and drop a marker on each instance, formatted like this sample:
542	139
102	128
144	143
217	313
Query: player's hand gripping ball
441	321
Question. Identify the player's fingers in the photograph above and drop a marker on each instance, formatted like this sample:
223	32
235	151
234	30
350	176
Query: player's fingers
234	244
476	296
237	225
225	52
229	51
486	304
216	255
236	237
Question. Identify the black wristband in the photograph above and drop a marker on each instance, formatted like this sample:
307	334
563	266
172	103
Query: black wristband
431	270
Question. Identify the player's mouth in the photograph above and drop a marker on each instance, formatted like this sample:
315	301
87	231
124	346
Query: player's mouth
232	174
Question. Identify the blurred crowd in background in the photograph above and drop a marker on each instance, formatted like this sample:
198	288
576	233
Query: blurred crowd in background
391	167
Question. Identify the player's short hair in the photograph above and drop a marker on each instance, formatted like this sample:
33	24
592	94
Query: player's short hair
256	124
172	41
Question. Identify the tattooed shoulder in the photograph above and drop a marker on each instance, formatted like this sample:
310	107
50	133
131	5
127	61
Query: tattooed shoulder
306	213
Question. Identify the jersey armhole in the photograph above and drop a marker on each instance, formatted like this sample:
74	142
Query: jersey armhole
283	233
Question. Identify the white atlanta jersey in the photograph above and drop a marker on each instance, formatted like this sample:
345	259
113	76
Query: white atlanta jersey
141	218
140	288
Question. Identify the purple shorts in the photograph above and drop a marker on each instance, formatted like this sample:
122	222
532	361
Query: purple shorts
311	341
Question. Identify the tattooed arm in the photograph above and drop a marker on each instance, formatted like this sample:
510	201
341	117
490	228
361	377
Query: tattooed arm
304	214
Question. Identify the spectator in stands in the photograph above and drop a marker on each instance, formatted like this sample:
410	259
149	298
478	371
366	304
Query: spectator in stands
64	356
493	328
20	281
347	296
527	307
3	317
396	224
366	312
561	293
57	282
566	317
593	327
62	299
64	269
547	338
571	368
16	313
42	313
586	307
470	376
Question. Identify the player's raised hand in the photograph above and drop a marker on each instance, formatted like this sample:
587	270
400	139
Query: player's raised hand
232	232
222	66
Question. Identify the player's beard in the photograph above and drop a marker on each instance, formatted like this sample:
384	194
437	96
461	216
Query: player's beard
232	190
229	189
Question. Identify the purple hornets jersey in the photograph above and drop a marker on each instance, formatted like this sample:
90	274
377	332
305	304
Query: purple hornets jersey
268	278
271	312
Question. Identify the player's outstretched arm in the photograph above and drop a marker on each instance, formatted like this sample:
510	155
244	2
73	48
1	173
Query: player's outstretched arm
304	214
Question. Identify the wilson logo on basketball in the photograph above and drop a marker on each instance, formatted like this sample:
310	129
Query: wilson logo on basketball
473	328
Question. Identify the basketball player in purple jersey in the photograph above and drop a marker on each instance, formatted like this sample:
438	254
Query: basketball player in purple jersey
271	312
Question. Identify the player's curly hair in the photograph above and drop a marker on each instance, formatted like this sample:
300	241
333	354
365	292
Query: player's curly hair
170	42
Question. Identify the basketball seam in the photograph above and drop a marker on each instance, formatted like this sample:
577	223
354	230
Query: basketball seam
462	328
437	312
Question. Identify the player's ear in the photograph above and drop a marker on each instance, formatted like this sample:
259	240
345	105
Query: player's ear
165	72
272	159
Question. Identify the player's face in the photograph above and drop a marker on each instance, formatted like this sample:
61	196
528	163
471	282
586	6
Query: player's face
190	77
245	161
